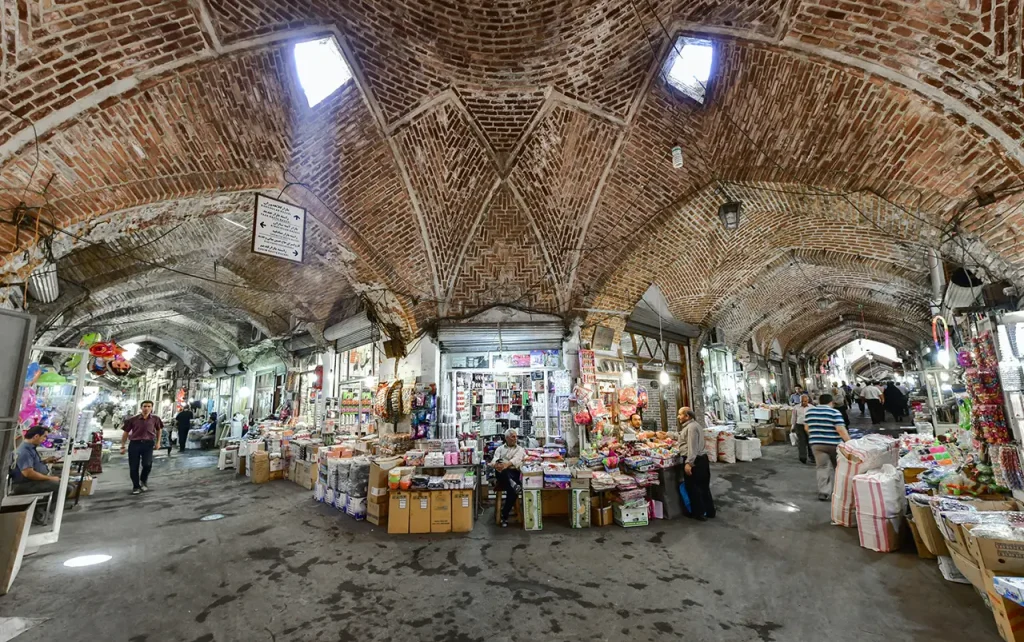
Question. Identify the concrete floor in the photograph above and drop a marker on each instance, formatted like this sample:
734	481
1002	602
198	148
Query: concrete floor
282	568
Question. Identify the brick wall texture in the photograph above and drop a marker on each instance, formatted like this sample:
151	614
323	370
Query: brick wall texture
509	152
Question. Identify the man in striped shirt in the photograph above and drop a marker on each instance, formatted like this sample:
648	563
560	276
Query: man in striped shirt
825	431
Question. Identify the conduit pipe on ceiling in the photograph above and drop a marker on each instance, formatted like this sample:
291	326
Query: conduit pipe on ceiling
938	279
237	368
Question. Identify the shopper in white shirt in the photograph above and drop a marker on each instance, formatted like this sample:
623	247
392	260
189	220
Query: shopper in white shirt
507	460
803	451
873	397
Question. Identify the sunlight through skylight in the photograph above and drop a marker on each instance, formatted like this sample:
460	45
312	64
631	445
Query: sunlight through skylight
690	67
321	67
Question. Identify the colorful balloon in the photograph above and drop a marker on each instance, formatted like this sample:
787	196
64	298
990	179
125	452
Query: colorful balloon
29	413
33	372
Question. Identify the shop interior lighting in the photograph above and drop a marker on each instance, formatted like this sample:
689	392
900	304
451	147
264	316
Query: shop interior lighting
690	67
370	381
763	382
244	391
663	378
808	380
86	560
627	378
321	68
943	358
944	376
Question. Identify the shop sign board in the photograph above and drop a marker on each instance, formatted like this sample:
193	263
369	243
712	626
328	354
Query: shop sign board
278	229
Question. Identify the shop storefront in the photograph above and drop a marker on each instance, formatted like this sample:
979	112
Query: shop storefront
496	376
722	386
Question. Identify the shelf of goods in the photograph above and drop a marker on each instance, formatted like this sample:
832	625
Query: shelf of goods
493	402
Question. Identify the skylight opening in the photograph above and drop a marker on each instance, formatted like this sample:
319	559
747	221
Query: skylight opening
689	67
321	67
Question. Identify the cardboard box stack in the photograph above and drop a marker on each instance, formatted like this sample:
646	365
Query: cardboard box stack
986	542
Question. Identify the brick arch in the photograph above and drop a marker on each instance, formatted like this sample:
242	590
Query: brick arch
874	115
823	337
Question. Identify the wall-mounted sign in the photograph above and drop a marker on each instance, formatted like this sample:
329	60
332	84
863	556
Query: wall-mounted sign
278	229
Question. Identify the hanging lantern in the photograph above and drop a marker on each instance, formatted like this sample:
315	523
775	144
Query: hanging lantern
729	213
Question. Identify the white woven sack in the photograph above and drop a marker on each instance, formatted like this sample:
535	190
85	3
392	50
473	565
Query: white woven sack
711	445
744	451
727	447
880	493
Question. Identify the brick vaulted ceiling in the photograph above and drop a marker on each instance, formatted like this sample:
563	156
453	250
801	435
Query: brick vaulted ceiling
509	151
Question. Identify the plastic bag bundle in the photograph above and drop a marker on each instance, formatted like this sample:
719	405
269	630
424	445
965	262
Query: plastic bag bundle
332	472
341	475
880	501
358	478
727	447
711	444
853	458
748	449
872	451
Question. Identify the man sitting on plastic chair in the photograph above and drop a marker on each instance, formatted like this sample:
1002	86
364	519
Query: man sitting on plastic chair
30	475
507	460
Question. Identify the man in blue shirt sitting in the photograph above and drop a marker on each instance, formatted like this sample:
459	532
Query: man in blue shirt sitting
30	474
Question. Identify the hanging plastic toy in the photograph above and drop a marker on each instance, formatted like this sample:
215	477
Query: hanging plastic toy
942	350
97	366
119	366
87	342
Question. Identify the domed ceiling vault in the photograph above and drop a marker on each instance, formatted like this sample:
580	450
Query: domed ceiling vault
510	152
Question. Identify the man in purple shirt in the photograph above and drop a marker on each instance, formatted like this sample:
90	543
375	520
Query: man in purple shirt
143	430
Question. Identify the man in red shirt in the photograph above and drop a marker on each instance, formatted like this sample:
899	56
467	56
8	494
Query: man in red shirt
143	430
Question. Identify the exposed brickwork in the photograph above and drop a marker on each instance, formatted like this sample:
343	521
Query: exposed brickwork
514	116
504	262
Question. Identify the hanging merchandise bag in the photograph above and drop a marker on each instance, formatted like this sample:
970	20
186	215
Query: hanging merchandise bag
686	497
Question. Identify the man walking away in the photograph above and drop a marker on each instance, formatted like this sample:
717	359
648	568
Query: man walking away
143	430
827	431
697	469
873	396
858	395
184	422
803	449
31	475
839	403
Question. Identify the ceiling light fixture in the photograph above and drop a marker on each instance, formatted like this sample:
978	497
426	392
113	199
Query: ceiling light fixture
677	157
729	212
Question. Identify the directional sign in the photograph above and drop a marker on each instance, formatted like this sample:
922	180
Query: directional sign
278	229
